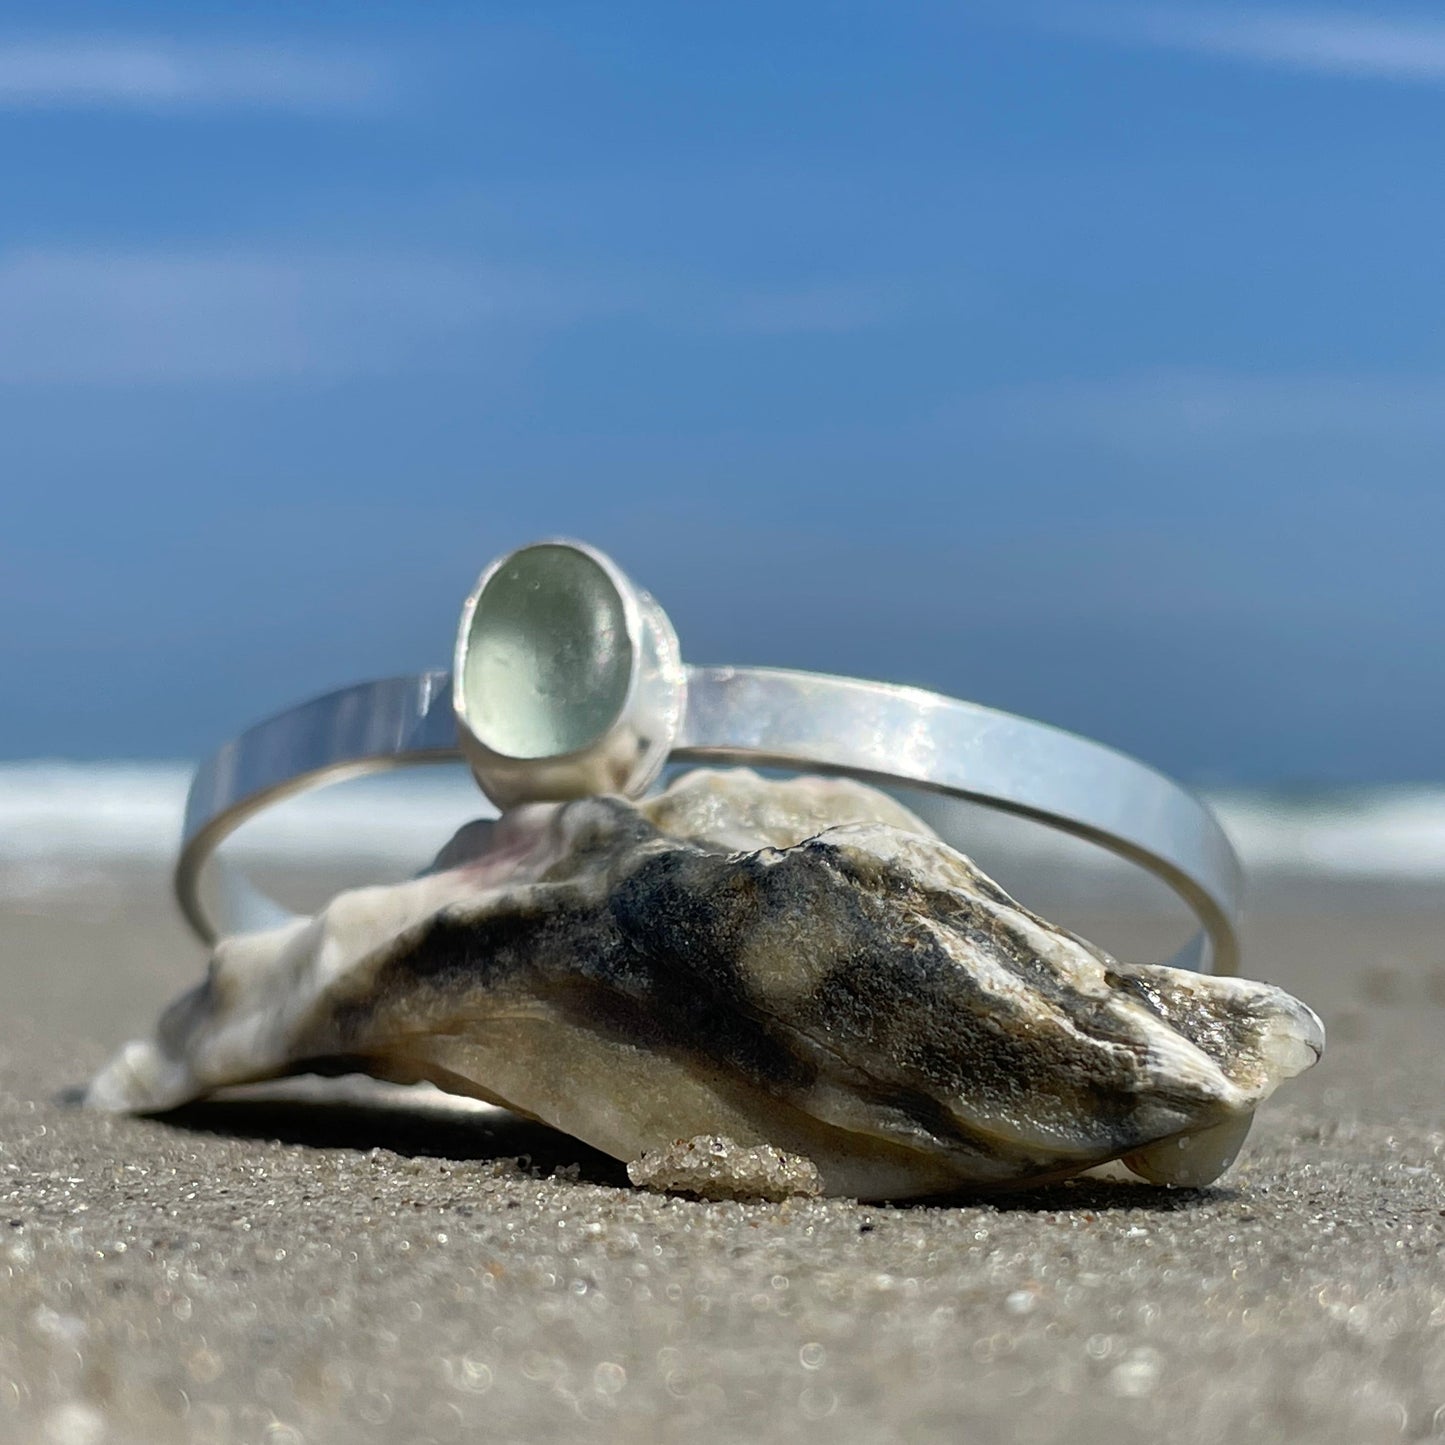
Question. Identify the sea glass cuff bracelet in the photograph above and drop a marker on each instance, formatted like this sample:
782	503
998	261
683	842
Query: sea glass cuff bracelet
567	680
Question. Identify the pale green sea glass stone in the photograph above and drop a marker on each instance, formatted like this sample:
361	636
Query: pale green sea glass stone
549	659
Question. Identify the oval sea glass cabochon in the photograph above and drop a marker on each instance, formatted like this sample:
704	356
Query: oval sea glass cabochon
549	659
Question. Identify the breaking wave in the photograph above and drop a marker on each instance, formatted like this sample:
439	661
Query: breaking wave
62	822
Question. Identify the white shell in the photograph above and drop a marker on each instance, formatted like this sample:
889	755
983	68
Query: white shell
796	966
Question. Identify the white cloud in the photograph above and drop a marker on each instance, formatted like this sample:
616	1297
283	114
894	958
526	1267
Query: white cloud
93	317
165	317
1331	42
105	73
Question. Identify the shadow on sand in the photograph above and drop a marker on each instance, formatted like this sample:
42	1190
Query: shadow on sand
414	1133
427	1133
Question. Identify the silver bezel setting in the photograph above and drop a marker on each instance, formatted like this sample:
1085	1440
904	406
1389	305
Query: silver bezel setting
625	758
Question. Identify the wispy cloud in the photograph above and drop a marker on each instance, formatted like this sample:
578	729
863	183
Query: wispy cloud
108	73
85	316
99	317
1330	42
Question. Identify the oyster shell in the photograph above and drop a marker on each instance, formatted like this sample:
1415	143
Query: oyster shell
798	966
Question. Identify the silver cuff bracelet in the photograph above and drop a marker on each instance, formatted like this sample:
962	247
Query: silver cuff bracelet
568	680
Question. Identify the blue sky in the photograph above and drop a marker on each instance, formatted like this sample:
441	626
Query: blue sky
1083	359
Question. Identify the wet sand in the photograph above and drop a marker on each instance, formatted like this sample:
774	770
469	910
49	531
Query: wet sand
391	1271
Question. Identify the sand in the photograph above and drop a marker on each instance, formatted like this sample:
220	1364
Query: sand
390	1271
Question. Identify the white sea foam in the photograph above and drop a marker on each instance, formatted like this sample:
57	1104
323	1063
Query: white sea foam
1386	835
63	824
65	827
133	810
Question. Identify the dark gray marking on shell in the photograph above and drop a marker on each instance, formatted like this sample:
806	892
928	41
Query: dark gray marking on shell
891	1002
1190	1014
657	963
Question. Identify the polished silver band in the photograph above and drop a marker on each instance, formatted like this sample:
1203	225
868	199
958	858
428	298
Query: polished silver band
894	736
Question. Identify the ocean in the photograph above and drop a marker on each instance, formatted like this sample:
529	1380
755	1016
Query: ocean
69	829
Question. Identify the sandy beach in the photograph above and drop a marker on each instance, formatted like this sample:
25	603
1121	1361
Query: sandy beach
1014	407
386	1270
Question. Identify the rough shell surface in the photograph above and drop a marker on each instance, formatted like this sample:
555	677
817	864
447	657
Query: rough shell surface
714	1168
799	966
